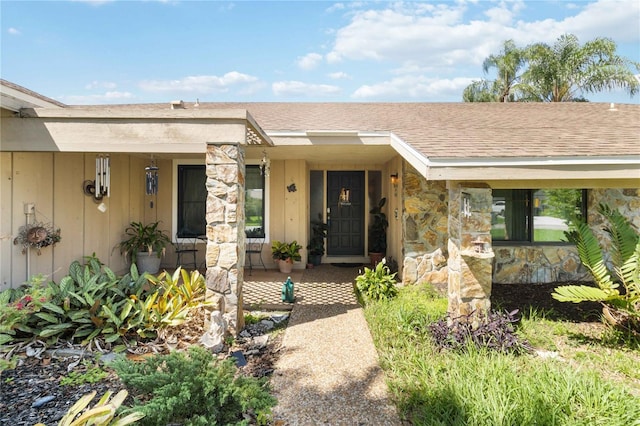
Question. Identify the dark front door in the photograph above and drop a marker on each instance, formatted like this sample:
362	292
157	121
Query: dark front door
345	215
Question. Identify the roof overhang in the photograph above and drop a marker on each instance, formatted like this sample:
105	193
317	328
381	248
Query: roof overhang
129	130
329	147
14	98
519	168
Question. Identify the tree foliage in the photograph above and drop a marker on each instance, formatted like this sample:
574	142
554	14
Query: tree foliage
562	72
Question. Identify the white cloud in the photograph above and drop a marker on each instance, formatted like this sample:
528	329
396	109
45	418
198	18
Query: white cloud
339	75
424	33
605	18
417	88
14	31
309	61
300	89
105	98
203	84
440	35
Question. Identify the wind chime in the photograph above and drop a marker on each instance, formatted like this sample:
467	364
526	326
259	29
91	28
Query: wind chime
101	186
103	177
151	180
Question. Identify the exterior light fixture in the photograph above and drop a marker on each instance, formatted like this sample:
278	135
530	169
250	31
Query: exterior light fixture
394	182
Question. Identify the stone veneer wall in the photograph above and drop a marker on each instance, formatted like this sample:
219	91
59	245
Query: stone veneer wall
469	264
561	263
425	231
225	168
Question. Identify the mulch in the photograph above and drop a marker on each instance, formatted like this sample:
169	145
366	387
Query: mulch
537	298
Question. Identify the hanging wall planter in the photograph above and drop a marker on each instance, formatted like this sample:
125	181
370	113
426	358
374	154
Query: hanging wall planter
37	235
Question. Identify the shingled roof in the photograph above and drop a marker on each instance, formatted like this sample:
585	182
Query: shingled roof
461	130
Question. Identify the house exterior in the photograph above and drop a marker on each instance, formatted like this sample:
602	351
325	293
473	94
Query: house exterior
475	192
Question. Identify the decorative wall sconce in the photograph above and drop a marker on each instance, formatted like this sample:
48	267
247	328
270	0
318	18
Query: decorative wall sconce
101	186
265	164
394	182
151	181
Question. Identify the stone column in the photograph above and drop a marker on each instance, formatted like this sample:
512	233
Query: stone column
225	169
470	254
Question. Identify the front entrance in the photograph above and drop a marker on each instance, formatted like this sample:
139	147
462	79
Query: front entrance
345	213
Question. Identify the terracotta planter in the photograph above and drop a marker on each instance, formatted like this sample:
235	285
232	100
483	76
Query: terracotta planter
285	266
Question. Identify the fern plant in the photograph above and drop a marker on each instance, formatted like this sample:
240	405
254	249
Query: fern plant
617	289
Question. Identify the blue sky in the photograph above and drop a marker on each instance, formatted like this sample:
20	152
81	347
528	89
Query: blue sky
112	52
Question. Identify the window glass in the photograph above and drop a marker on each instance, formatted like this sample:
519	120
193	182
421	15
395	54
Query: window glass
316	196
534	215
192	199
509	219
553	212
254	202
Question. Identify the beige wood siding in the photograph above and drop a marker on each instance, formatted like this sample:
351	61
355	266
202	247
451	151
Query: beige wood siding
54	183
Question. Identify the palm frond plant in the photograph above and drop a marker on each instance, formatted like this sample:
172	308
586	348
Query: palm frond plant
144	245
618	287
141	238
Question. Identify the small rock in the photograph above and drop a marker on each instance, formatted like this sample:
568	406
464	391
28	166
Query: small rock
241	361
547	354
252	352
260	341
279	318
268	325
245	334
41	401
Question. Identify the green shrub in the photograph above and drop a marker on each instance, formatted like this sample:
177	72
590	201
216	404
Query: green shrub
18	305
170	300
194	389
378	283
91	304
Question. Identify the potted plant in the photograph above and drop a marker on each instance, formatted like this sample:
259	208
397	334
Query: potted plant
285	253
145	245
316	242
378	233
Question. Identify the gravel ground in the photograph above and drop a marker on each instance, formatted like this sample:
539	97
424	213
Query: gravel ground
328	372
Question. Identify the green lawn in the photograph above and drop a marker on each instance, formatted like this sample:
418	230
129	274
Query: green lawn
585	382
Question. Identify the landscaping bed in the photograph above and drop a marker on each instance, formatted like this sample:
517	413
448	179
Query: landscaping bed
38	379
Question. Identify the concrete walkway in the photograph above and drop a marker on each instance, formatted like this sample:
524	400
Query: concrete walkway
328	372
